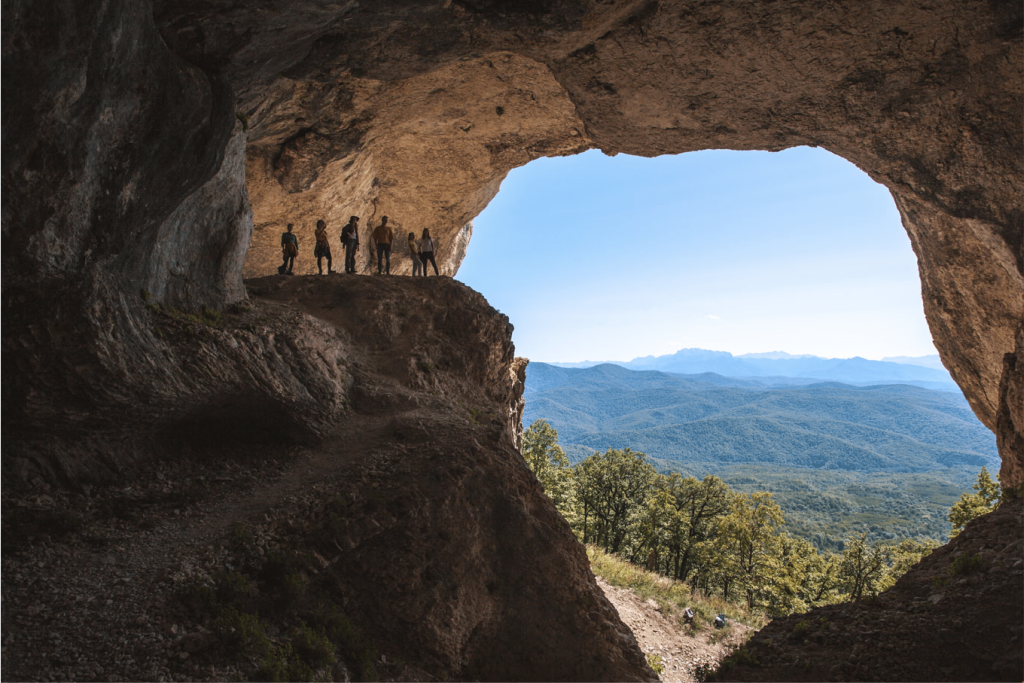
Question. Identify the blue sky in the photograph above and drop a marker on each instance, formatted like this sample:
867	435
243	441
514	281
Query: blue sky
608	258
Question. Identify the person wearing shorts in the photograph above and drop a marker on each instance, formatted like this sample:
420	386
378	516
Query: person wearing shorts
323	248
289	249
414	252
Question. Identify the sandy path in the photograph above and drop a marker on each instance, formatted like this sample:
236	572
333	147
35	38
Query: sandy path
680	652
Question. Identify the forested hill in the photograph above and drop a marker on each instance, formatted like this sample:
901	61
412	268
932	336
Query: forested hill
704	422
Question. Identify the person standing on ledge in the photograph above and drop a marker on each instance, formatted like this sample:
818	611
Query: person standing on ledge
427	252
323	248
289	249
414	252
383	235
350	238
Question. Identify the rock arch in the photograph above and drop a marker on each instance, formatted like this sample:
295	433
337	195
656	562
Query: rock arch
125	126
923	99
149	150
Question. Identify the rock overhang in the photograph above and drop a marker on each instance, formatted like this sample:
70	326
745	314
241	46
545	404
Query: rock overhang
150	149
417	110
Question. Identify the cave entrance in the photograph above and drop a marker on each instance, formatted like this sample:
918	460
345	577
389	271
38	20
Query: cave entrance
789	256
596	257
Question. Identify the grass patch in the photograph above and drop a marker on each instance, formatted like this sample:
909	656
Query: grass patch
273	622
672	596
967	563
739	657
704	671
800	629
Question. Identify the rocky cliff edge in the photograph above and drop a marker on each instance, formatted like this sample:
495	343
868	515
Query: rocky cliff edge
363	431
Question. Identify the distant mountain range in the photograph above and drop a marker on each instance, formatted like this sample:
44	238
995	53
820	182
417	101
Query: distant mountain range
888	459
924	371
709	419
933	361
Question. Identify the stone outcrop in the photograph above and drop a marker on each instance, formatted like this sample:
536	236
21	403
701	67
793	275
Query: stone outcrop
418	111
139	138
123	126
93	396
413	519
955	616
447	552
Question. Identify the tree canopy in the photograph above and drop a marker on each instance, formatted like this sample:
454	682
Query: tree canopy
716	539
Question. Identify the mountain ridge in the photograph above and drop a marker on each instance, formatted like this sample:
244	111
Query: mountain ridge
886	459
710	418
924	369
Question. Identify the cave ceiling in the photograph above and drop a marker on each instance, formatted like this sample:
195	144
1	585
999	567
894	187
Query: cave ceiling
418	110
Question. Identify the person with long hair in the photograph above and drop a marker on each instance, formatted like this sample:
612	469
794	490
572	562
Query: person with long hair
427	252
414	252
323	248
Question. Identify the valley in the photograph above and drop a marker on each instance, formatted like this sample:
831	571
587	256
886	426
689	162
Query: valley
888	460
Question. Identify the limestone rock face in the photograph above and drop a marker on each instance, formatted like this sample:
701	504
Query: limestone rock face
138	137
417	111
109	141
110	384
121	163
1010	419
428	151
448	551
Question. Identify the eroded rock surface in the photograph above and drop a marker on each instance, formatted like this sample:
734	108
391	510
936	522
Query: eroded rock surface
117	119
417	111
958	615
125	126
414	516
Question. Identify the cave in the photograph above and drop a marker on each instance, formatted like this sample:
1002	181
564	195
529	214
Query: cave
154	150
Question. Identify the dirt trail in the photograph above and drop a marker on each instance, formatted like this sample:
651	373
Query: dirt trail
682	654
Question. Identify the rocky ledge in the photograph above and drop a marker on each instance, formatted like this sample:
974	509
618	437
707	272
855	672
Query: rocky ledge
411	532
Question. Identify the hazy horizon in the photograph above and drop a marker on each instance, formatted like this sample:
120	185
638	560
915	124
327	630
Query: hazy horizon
889	359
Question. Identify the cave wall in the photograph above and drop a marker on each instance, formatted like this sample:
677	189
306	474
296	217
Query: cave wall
418	111
428	151
124	124
151	154
105	134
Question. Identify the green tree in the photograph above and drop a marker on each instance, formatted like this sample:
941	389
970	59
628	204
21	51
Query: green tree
903	556
611	488
972	505
750	547
863	568
804	578
547	460
698	505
